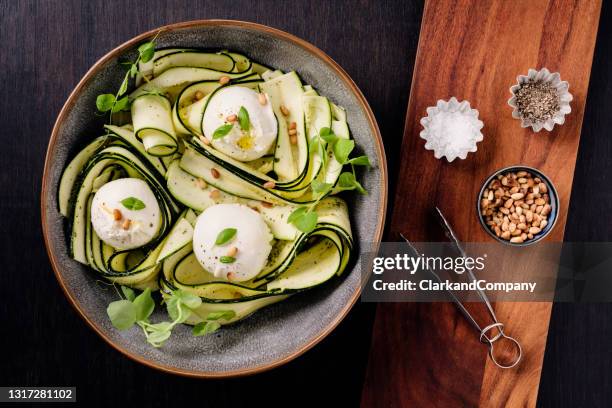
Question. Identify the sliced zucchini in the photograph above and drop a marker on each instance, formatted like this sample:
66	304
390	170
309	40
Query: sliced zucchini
152	118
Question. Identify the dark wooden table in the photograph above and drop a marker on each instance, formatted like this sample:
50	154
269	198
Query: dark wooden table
48	45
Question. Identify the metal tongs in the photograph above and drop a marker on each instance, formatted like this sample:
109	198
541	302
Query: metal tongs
484	337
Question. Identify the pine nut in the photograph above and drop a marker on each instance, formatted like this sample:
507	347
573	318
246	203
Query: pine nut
200	183
126	224
267	204
284	110
117	214
215	173
293	132
515	206
231	118
215	194
293	139
205	140
199	95
262	99
269	184
224	80
292	125
232	251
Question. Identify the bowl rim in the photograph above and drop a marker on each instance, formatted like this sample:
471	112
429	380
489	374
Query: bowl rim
554	200
71	100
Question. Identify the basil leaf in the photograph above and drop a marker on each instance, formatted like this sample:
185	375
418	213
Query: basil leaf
105	102
128	293
222	131
225	236
320	187
360	161
122	314
223	314
307	222
342	149
297	213
227	259
121	104
328	135
132	203
243	119
204	328
144	305
146	51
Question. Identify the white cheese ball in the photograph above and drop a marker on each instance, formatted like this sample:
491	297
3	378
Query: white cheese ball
250	247
243	145
143	224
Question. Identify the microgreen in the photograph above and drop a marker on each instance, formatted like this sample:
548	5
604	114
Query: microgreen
211	325
225	236
342	148
222	131
360	161
132	203
327	143
124	313
115	103
243	119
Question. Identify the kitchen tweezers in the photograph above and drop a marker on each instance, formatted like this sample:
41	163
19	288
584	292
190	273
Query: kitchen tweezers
484	336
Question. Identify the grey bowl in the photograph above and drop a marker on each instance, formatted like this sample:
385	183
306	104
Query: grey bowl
274	335
554	204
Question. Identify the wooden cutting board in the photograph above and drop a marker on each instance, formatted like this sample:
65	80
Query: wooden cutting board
425	354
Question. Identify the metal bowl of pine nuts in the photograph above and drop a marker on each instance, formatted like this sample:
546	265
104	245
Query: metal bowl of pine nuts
518	205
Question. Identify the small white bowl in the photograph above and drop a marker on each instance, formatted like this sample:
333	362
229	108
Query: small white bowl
432	132
562	88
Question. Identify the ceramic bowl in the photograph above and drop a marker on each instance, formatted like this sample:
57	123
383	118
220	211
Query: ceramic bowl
274	335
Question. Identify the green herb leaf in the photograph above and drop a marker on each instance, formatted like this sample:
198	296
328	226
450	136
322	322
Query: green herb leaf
297	213
122	314
227	259
328	135
144	305
320	187
225	236
243	119
204	328
223	314
222	131
123	87
188	299
133	70
347	181
132	203
146	51
121	104
307	222
128	293
342	149
105	102
360	161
